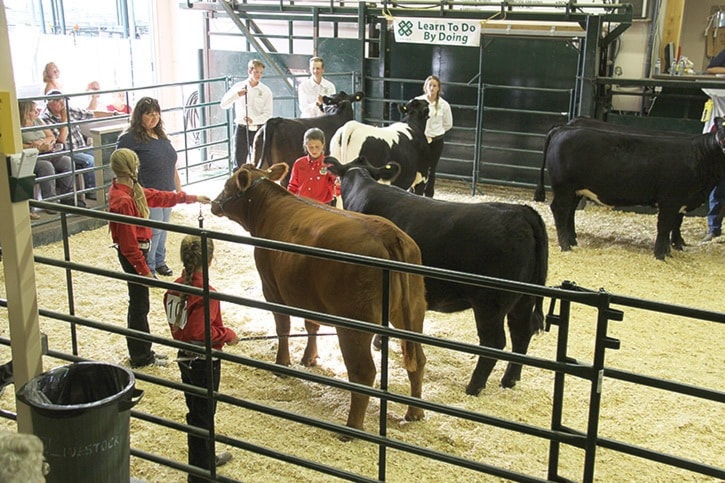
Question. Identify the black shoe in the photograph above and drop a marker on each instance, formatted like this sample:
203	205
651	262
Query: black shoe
164	270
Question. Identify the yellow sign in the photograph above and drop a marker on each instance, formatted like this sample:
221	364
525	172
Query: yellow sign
7	128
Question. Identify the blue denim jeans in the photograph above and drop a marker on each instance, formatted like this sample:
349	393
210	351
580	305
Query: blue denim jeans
85	160
157	252
714	214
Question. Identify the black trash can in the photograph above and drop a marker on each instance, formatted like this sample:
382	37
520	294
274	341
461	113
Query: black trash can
81	412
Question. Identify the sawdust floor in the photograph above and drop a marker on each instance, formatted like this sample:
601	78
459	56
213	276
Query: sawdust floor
615	254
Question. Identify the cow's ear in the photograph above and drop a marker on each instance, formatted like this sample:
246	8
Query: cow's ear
332	160
403	108
277	171
359	95
243	179
718	123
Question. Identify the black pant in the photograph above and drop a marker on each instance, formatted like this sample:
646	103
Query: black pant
242	147
201	410
428	188
137	317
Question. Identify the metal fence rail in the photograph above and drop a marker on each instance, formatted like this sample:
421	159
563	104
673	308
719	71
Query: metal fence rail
563	366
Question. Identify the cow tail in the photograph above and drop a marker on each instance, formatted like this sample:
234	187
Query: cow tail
541	270
410	349
540	194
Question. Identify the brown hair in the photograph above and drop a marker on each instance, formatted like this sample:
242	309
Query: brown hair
25	108
192	258
254	63
124	162
145	105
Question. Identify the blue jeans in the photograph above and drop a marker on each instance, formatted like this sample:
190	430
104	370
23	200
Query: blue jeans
156	256
85	160
714	214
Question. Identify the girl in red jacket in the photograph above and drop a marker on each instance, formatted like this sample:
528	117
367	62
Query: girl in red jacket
127	197
309	177
185	313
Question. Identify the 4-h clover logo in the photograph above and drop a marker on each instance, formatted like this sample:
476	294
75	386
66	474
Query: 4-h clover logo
405	28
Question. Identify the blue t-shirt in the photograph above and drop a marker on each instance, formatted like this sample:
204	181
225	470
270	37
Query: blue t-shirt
157	158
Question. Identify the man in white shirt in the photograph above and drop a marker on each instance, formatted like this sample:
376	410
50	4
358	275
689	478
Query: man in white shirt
312	89
252	103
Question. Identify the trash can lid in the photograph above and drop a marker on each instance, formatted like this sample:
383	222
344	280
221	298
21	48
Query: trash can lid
77	386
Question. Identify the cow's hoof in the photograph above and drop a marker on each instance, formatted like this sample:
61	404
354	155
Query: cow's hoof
414	414
508	382
345	438
310	362
474	389
566	249
377	342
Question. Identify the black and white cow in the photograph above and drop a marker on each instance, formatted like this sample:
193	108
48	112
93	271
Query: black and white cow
617	168
498	240
280	139
402	142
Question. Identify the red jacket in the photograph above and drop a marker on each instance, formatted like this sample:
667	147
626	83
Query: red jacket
194	329
311	179
120	201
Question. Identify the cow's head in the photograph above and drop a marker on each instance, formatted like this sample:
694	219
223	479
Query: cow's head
236	195
385	174
415	110
331	104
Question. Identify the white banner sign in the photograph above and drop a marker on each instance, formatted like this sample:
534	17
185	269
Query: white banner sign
438	31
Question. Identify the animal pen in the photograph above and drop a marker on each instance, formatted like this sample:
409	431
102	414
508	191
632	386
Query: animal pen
569	446
498	139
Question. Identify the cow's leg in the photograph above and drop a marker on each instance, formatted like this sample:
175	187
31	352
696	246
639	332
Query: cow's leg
309	358
678	243
666	222
355	348
521	328
489	323
570	221
416	381
282	323
562	208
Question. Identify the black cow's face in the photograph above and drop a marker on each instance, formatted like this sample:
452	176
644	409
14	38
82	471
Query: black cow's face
415	109
340	97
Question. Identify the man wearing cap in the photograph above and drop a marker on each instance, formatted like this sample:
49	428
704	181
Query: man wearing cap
57	113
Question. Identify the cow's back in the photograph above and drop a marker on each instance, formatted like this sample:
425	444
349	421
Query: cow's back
286	276
495	239
624	169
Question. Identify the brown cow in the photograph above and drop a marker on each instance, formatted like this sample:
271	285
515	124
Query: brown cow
280	139
266	210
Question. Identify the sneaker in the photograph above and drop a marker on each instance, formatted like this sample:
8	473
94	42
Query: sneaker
163	357
709	237
164	270
223	458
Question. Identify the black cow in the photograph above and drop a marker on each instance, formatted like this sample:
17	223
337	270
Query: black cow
280	139
498	240
617	168
402	142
